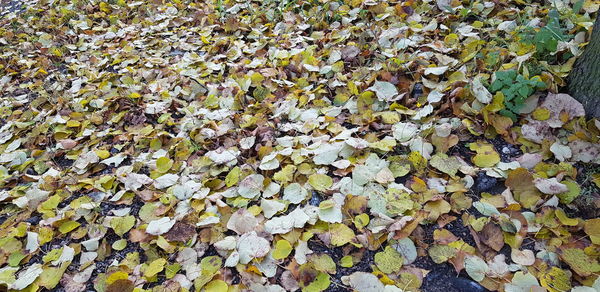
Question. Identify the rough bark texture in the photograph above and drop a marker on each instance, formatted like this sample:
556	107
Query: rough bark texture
584	80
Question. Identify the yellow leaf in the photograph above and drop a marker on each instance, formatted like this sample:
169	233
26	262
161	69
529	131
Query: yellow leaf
340	234
346	262
104	7
216	286
592	228
555	280
117	276
389	261
102	154
560	214
163	164
320	182
68	226
541	114
283	248
121	225
361	221
155	267
486	154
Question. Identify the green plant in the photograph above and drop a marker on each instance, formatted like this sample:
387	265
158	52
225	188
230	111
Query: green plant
546	38
516	89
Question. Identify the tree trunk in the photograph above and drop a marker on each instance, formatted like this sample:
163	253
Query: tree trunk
584	80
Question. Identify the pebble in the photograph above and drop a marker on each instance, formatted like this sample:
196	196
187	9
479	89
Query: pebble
315	199
483	182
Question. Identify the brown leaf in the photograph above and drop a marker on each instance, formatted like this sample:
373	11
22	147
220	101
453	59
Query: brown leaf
136	235
68	144
520	181
458	261
121	285
443	236
181	232
491	235
487	252
410	227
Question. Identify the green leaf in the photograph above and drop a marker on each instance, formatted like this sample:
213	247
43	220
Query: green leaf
323	263
320	182
346	262
573	191
211	264
120	244
7	275
577	6
51	276
171	270
389	261
68	226
580	262
282	250
216	286
15	258
320	283
445	164
155	267
163	164
441	253
476	268
340	234
121	225
233	177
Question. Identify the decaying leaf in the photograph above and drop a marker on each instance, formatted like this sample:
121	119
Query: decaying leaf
295	145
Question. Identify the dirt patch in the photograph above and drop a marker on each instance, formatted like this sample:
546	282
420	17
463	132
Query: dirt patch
336	253
508	152
443	277
587	204
488	184
9	6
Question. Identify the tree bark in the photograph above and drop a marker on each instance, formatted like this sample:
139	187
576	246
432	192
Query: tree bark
584	80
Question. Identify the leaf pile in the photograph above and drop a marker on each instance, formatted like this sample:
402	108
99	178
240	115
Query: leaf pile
295	145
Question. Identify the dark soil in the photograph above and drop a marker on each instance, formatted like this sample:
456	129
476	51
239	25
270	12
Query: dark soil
3	218
102	266
315	199
587	205
63	162
462	150
508	152
486	183
336	253
445	280
443	277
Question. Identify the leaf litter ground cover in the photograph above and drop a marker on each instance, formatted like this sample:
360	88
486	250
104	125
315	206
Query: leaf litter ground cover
296	145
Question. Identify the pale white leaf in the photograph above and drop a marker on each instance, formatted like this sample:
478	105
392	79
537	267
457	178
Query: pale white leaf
436	70
403	132
476	267
480	92
384	90
285	224
363	282
27	277
550	186
561	152
522	257
165	180
295	193
251	246
160	226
